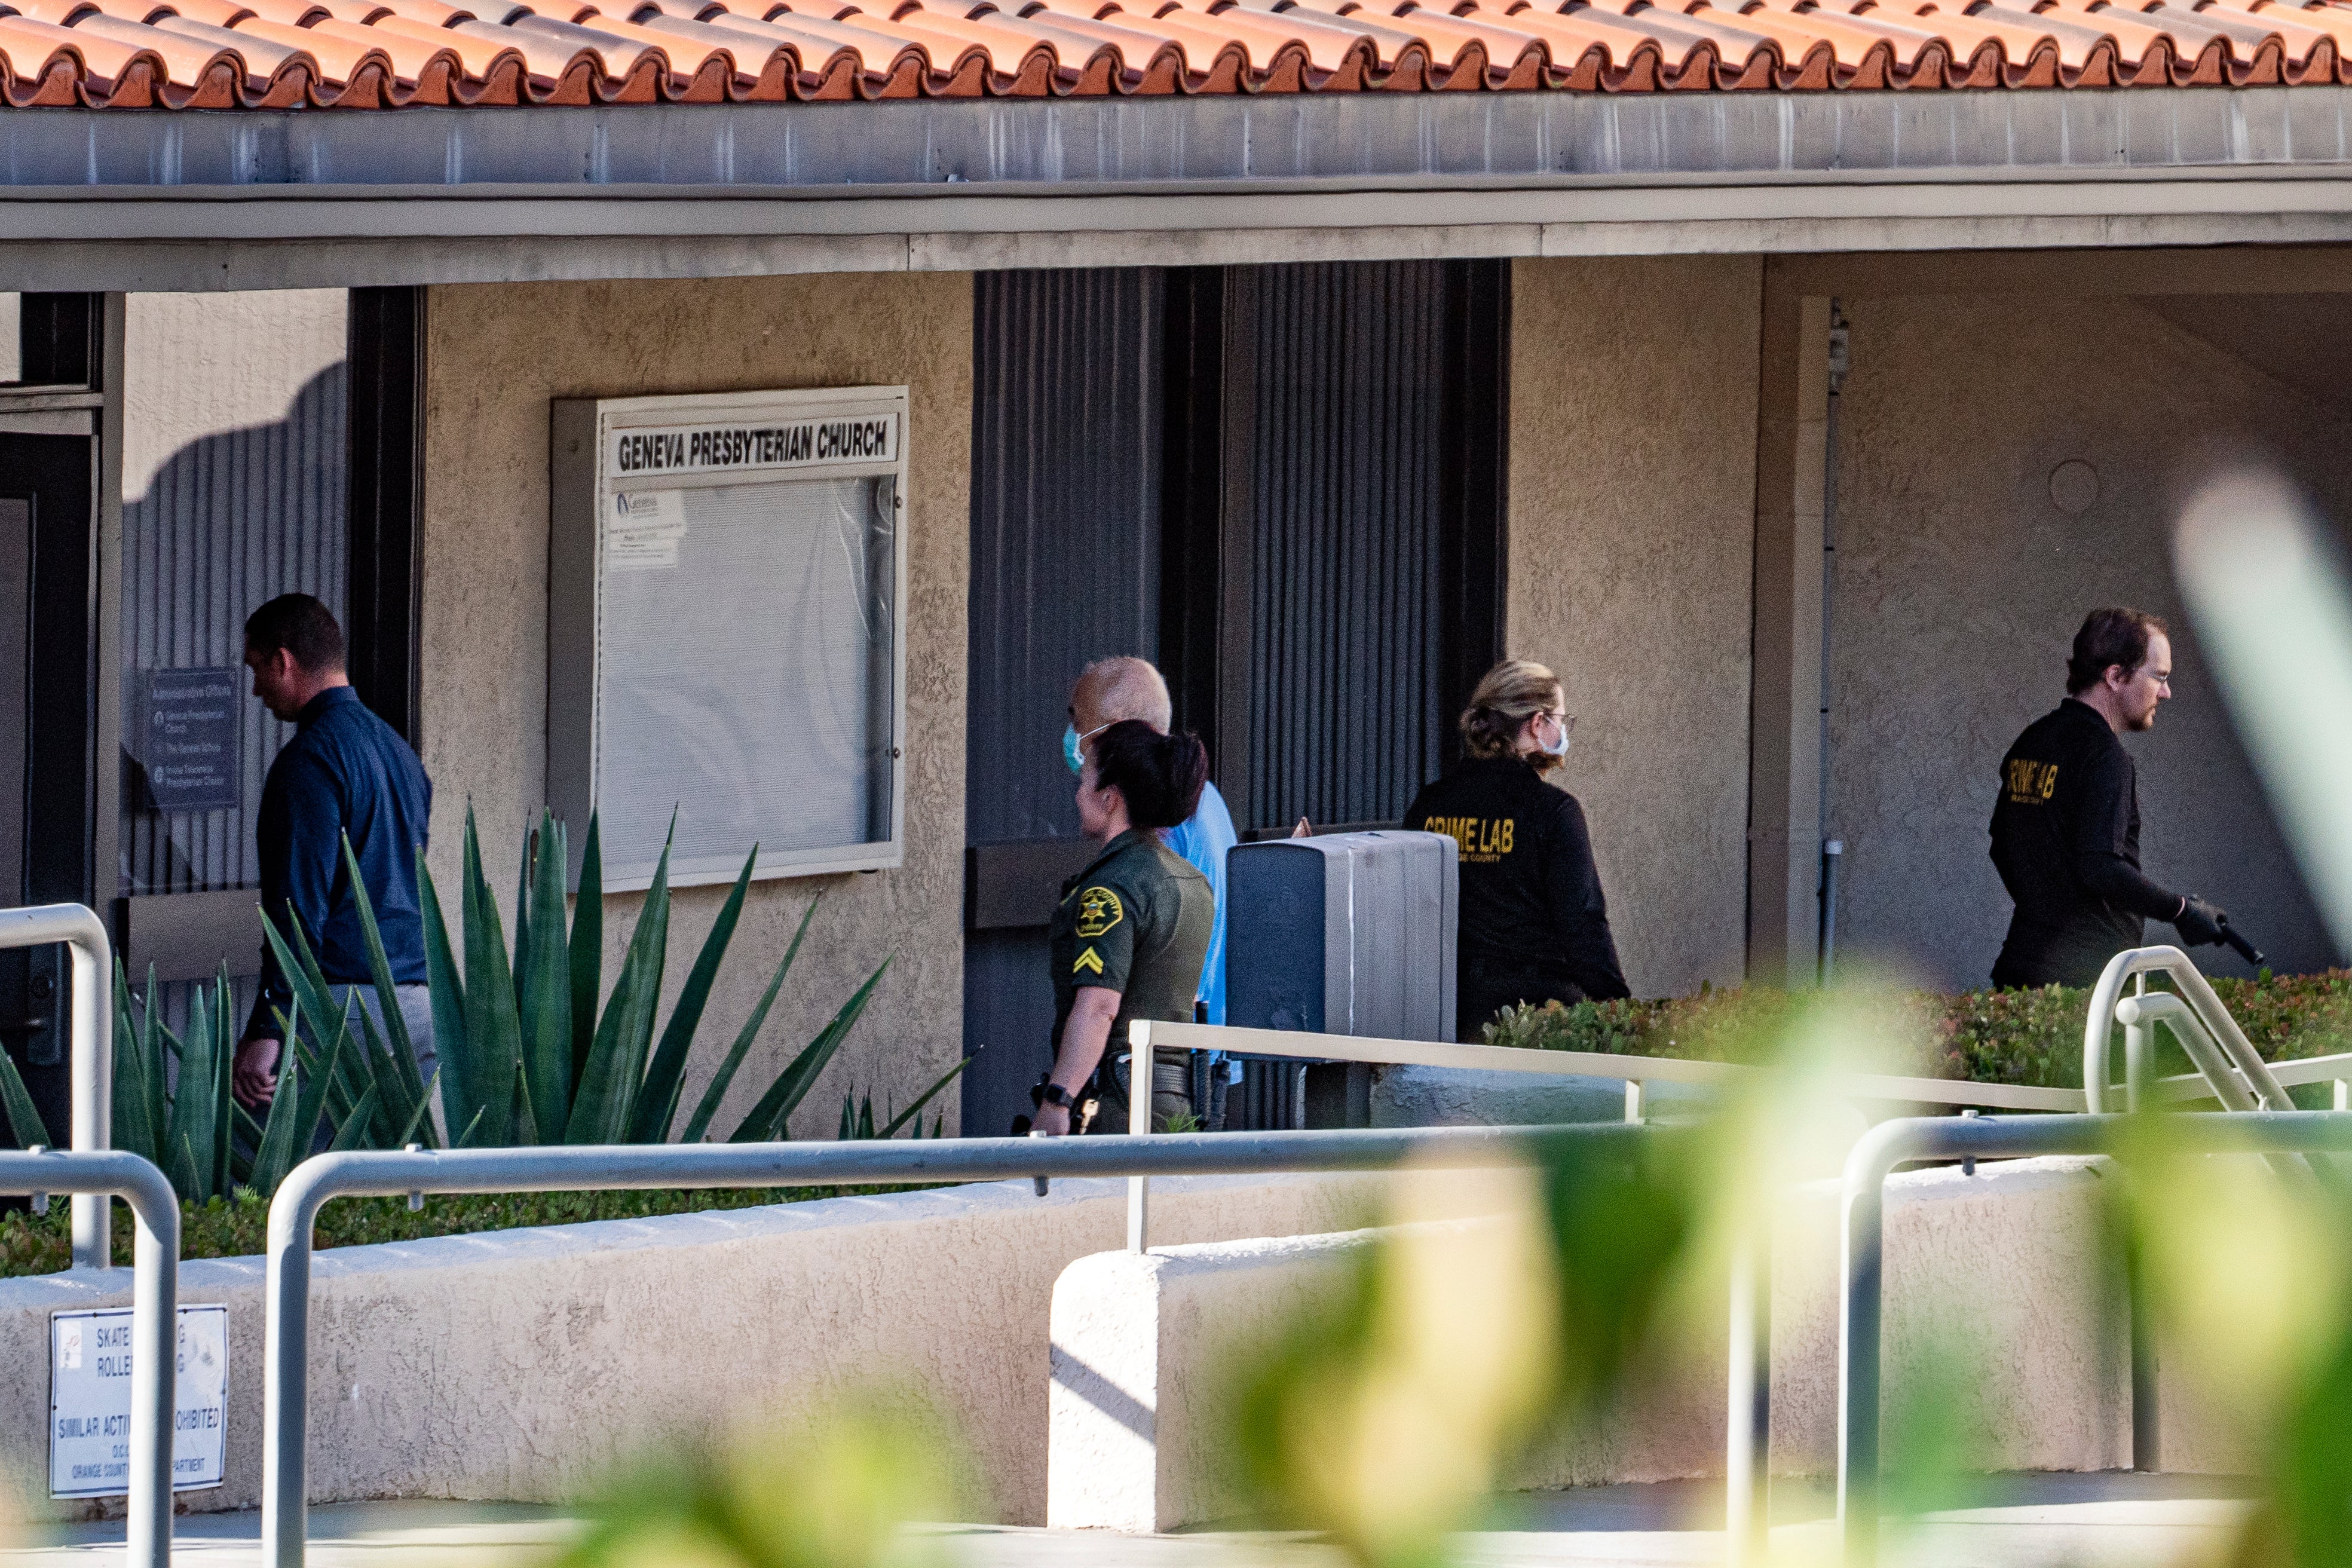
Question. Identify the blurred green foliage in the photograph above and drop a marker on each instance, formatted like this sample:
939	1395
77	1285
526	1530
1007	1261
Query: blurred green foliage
1389	1413
834	1498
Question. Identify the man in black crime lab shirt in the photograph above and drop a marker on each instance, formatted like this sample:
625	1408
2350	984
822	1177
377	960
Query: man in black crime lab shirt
2065	824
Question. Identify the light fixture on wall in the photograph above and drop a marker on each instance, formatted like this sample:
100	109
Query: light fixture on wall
2073	487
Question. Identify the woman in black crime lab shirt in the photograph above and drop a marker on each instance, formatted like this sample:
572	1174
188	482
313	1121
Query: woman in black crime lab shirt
1534	925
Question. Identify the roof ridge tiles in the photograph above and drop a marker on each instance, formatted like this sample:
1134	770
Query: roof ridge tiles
788	63
421	72
1162	60
1031	77
908	62
229	54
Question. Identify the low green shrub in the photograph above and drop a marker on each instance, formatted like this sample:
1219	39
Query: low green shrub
1978	1036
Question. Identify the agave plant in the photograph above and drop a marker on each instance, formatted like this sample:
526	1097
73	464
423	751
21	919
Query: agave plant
526	1055
207	1144
857	1114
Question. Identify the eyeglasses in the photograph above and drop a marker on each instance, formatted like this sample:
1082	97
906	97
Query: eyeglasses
1565	723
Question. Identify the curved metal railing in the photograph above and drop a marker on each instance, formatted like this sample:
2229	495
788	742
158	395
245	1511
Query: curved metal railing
2228	1061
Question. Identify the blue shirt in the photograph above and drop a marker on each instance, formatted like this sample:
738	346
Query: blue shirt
345	771
1203	839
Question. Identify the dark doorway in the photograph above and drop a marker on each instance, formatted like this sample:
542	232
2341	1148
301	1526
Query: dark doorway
1285	486
46	725
1333	539
1067	413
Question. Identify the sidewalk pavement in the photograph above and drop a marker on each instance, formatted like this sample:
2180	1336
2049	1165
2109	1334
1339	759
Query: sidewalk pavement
2105	1521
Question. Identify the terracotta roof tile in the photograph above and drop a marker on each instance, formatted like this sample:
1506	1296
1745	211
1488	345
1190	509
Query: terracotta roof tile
224	54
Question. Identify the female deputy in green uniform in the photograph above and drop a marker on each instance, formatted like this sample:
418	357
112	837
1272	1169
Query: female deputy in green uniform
1131	929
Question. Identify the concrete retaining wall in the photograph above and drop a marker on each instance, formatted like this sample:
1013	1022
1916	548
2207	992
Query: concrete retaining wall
2004	1278
519	1365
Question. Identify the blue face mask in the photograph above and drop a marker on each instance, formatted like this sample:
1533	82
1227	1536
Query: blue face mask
1073	744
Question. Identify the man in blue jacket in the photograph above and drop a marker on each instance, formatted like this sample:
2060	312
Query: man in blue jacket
1110	691
346	772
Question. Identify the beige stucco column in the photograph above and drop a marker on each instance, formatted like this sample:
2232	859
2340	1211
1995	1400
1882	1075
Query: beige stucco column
1784	846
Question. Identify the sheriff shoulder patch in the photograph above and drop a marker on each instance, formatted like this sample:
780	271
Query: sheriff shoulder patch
1087	960
1099	911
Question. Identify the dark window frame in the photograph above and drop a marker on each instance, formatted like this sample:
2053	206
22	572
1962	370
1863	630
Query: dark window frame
1207	508
383	516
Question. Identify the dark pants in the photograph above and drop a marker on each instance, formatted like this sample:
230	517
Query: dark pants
1480	993
1172	1092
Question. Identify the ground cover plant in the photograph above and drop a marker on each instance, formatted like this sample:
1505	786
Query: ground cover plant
240	1227
2032	1038
527	1056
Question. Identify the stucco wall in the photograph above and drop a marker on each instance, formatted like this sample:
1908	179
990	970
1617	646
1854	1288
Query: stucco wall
2033	1378
1959	582
496	354
1633	496
524	1364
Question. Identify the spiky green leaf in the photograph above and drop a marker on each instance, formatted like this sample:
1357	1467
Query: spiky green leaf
617	1060
545	983
665	1077
928	1095
225	1029
132	1131
460	1076
387	996
152	1041
302	1102
587	950
767	1118
716	1090
24	1118
493	1028
526	1126
354	1133
191	1131
420	1117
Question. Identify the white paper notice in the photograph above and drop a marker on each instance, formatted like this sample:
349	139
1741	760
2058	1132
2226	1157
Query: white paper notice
90	1402
642	534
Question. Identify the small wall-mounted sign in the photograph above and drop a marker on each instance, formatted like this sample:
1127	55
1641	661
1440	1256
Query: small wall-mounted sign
91	1357
184	730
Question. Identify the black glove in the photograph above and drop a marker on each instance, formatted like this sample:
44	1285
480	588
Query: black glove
2198	922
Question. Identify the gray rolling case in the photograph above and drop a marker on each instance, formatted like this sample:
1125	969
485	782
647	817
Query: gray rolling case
1351	933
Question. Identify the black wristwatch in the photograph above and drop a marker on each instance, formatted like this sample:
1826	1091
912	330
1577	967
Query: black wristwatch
1054	1094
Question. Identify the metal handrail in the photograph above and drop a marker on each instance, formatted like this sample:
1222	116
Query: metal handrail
1748	1395
154	1316
93	1035
1154	1033
316	1181
2238	1085
2335	1068
2197	993
1892	1143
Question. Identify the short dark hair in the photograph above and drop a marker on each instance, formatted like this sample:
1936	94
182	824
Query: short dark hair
1160	776
2110	638
301	625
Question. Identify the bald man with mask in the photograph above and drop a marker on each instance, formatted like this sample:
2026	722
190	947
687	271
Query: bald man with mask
1110	691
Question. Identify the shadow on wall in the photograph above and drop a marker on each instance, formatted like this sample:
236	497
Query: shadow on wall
230	520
